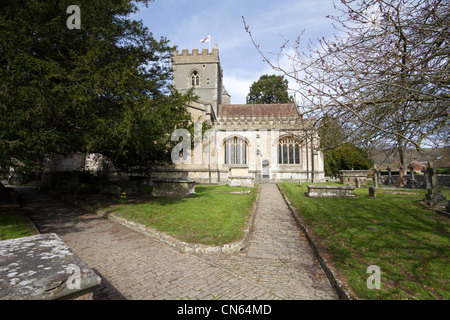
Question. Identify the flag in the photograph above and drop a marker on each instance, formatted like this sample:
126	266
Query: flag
207	39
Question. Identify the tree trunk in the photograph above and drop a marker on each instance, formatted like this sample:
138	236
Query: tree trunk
402	168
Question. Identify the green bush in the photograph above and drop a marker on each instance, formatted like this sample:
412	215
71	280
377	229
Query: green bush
345	157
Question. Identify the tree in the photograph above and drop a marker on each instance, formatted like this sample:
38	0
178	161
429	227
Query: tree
385	77
339	154
345	157
103	88
269	89
331	133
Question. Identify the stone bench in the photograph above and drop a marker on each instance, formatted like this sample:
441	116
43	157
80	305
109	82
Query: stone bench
173	188
320	191
42	267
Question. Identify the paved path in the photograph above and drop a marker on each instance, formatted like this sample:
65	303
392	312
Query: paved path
277	264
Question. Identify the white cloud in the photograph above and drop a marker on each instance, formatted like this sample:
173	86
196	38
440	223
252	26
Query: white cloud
238	88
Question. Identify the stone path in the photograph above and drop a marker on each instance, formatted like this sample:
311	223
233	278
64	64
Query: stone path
277	264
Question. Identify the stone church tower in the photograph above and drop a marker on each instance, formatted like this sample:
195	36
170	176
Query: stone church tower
202	71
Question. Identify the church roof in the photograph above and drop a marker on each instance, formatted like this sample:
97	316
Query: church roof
257	110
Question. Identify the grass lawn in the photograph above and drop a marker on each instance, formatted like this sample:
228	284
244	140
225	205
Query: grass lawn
395	231
13	222
213	216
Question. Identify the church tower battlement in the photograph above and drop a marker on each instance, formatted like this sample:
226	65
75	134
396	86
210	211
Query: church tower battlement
204	56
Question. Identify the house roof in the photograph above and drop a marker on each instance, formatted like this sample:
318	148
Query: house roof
258	110
418	165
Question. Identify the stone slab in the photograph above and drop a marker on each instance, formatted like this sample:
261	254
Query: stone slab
351	176
241	181
321	191
42	267
173	188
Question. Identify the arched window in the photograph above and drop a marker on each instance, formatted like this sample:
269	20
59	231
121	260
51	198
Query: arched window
235	150
288	151
195	78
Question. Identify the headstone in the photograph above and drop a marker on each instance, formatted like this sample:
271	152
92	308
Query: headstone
411	170
372	192
412	183
389	176
357	183
435	199
427	181
432	172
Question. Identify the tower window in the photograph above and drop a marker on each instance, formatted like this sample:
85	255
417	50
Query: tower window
195	79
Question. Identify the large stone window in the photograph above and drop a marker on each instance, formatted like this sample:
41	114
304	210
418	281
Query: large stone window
195	78
288	150
235	150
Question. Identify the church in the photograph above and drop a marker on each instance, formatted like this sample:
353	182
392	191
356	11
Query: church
244	143
234	144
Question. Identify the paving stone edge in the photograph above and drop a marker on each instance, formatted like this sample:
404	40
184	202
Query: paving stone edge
341	288
200	249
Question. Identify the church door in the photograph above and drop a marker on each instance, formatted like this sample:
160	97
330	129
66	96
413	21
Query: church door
265	169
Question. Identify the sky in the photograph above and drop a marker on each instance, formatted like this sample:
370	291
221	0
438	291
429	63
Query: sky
272	23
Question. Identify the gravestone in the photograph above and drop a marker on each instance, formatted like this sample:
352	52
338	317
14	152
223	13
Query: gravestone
433	183
240	177
412	183
426	184
372	192
350	176
323	191
435	199
173	188
411	170
43	267
390	181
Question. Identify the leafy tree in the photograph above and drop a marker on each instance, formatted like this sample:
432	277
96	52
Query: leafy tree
345	157
269	89
102	88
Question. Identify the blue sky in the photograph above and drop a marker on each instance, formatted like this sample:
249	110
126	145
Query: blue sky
272	22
